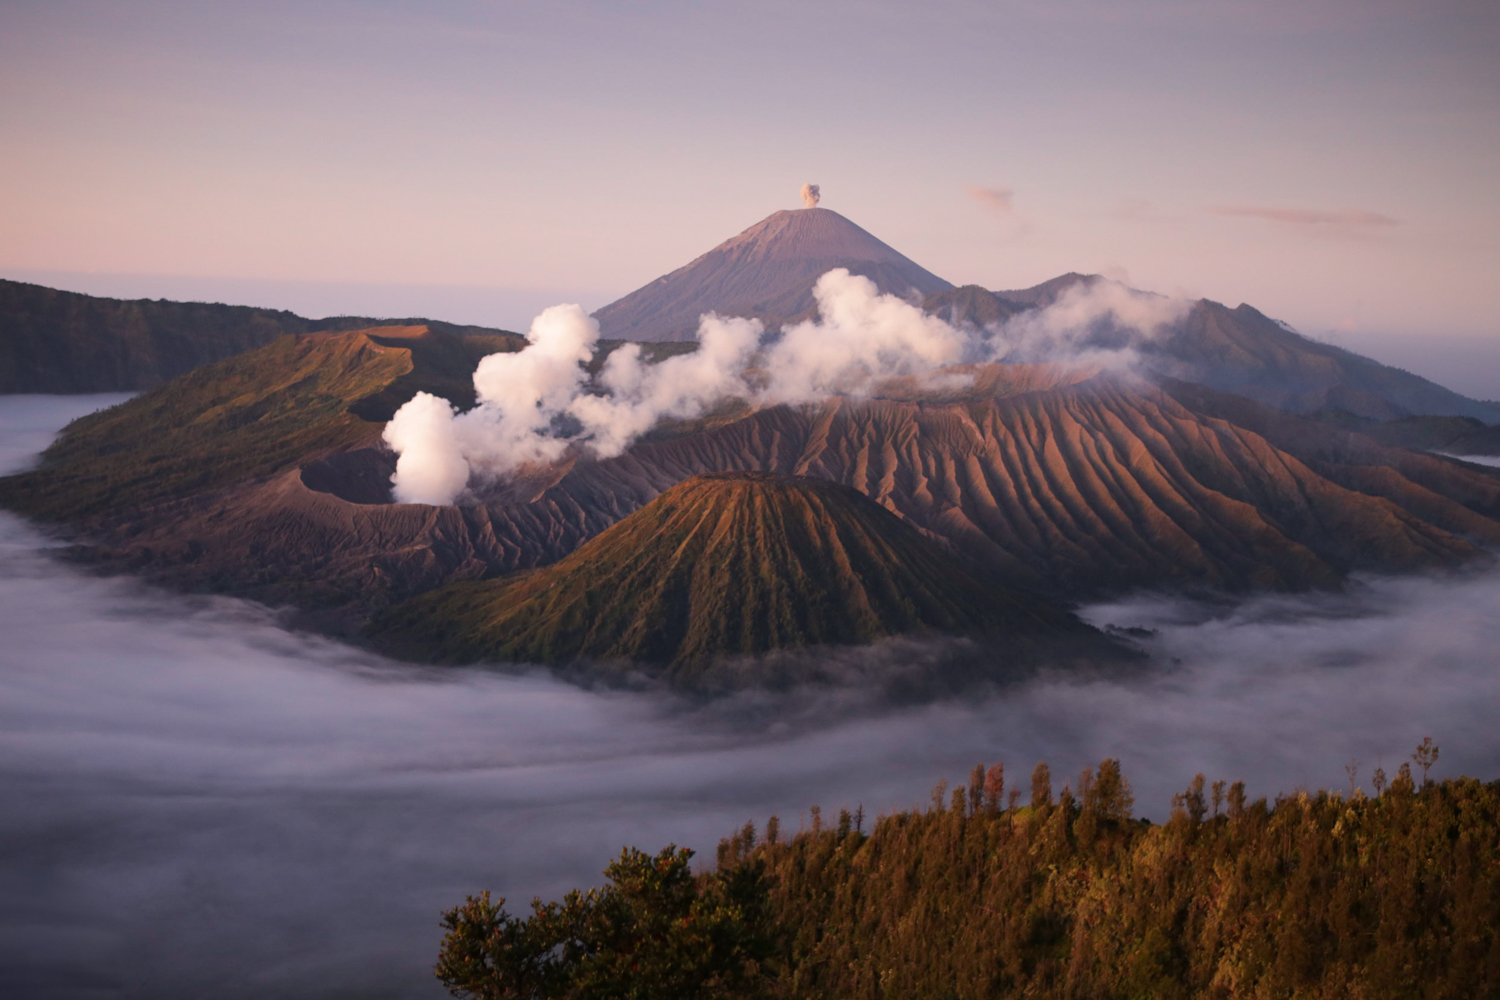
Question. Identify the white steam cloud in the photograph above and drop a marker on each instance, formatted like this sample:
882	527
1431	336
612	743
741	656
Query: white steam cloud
859	337
810	195
1103	322
537	403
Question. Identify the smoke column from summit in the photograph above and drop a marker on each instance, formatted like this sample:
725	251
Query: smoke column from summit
536	404
810	196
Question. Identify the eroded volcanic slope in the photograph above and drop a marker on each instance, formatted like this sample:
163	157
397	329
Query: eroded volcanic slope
1066	482
725	564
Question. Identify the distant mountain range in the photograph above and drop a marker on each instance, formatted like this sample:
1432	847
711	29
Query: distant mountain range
66	342
1237	455
768	272
1238	350
52	341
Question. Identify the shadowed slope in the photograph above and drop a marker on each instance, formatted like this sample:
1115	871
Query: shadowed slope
720	565
56	341
1243	351
1239	350
766	272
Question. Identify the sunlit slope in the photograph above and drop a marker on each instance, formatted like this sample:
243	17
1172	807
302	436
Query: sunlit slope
244	418
1073	489
1095	486
724	564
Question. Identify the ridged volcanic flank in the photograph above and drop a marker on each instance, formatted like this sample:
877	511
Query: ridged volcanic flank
724	564
768	272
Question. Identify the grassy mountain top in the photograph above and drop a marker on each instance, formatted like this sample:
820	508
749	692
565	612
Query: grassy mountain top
718	565
252	415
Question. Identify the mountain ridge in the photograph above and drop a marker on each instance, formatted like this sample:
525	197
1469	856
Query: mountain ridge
55	341
1239	350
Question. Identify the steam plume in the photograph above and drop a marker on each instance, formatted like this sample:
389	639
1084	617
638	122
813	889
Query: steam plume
860	337
537	403
810	195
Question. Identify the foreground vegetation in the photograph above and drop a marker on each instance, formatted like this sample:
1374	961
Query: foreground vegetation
1312	895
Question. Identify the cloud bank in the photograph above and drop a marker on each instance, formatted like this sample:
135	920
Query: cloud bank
200	802
536	404
203	803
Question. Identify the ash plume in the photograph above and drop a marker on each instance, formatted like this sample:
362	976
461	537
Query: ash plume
810	196
537	403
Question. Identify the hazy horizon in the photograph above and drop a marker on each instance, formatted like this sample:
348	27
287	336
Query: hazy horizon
1465	363
1330	163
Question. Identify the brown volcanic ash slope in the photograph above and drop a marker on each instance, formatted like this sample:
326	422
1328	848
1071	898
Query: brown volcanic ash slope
767	272
724	564
1242	351
1063	483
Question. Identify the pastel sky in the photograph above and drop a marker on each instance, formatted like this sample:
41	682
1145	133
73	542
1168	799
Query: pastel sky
1336	164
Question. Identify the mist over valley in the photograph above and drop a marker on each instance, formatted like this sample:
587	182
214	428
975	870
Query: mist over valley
213	803
315	627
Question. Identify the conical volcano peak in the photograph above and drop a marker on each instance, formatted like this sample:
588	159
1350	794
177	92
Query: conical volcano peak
766	272
811	234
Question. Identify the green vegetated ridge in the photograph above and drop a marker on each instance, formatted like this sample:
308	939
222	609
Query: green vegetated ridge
718	565
252	415
1317	896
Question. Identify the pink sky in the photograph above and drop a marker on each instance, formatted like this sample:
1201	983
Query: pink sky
1333	164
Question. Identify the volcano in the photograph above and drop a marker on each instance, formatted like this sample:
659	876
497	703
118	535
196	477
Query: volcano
766	272
732	563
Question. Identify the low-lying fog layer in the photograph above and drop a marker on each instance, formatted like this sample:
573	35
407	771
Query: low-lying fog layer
1476	459
198	802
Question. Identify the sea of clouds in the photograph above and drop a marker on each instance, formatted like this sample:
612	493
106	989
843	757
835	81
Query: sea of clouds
200	802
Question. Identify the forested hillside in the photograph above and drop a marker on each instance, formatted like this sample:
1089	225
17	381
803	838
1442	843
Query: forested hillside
990	893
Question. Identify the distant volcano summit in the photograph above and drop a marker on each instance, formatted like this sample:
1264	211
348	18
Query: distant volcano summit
766	272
